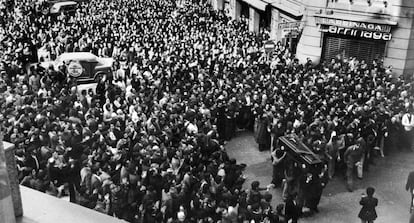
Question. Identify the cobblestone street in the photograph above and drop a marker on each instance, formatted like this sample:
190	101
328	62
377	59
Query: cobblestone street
388	177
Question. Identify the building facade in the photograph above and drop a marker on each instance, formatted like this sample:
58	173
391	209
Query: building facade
366	29
321	30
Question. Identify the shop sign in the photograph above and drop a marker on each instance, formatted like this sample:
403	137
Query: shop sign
286	33
290	29
354	24
357	33
290	25
269	46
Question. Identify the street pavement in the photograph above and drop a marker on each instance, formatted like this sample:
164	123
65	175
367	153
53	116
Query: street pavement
388	176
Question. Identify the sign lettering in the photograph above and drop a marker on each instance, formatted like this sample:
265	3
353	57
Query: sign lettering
357	33
290	25
354	24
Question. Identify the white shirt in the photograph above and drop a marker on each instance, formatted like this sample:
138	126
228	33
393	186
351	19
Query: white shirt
191	128
248	102
408	121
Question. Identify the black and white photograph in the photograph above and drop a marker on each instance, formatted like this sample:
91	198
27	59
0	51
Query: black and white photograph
206	111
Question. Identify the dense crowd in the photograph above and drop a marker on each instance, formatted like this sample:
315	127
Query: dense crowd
149	144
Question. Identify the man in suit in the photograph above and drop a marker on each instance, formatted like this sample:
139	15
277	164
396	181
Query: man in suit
32	161
292	211
409	186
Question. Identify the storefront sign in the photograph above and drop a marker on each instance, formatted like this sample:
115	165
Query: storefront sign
357	33
290	29
290	25
354	24
269	46
286	33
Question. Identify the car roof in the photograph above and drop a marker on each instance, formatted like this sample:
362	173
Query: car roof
65	3
82	56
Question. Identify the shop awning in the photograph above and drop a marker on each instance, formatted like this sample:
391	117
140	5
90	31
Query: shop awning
367	20
294	10
258	4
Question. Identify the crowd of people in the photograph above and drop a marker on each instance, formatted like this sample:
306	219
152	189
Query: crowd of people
149	144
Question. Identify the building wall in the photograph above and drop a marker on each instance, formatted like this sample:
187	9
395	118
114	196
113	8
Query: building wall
234	9
399	52
254	20
407	17
400	49
217	4
310	43
274	23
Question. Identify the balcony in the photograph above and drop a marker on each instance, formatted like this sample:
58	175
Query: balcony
42	208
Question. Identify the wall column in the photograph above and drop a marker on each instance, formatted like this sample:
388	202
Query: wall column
235	9
310	43
274	22
254	20
219	5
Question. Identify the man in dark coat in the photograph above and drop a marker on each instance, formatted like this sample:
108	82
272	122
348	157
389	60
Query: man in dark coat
292	211
368	202
221	120
318	183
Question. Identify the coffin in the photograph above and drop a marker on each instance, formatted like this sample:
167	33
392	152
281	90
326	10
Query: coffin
298	151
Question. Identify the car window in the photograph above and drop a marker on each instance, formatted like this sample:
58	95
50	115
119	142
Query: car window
88	69
70	7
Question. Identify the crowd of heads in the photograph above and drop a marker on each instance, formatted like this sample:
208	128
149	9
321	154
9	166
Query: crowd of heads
145	146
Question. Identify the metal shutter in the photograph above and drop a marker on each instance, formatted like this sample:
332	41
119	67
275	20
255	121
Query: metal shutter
362	49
